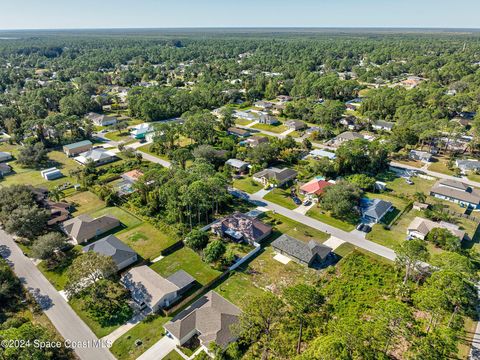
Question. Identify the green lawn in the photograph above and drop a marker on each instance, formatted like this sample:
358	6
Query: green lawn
285	225
146	149
149	331
281	197
278	129
147	240
242	122
440	166
410	162
85	202
128	220
58	276
247	184
99	330
173	355
323	216
119	136
397	185
188	260
474	177
238	288
347	248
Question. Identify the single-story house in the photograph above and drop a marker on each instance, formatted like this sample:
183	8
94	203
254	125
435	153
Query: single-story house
5	169
457	192
238	132
267	119
383	125
278	177
319	153
420	206
246	114
284	98
374	210
240	227
98	156
152	291
420	227
239	165
59	211
51	173
255	140
5	156
77	148
111	246
351	122
380	186
132	176
295	124
467	166
314	187
420	155
344	137
302	252
211	318
263	105
140	131
101	120
83	227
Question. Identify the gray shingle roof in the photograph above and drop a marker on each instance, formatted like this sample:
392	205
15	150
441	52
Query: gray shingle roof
376	208
111	246
301	250
181	278
281	175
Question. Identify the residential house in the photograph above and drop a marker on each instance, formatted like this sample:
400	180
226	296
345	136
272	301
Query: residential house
284	98
268	119
132	176
5	156
467	166
140	131
301	252
5	169
241	228
319	153
420	156
344	137
51	174
374	210
238	132
265	105
295	124
101	120
77	148
382	125
98	156
457	192
238	165
314	187
256	140
112	247
59	211
211	318
275	176
420	227
83	227
152	291
350	122
245	114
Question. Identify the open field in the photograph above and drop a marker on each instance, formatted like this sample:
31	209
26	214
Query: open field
85	202
247	184
278	129
323	216
128	220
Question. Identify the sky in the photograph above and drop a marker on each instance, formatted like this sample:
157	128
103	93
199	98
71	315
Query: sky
79	14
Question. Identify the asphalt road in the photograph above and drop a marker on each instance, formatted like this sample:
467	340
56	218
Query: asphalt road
62	316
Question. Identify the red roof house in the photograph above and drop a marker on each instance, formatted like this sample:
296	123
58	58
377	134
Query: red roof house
314	187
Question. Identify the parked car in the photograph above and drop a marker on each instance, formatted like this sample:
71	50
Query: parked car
409	182
307	202
297	201
364	227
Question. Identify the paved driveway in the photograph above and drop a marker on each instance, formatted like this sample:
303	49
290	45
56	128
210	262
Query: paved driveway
159	350
67	322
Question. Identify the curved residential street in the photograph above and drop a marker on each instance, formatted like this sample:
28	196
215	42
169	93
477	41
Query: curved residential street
62	316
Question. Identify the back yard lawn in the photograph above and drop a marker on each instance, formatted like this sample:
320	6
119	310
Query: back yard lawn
238	288
147	240
85	202
247	184
149	331
188	260
399	187
127	219
281	197
278	129
323	216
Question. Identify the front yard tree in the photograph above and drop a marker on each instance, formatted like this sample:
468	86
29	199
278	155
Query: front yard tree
27	221
87	269
226	118
302	299
341	200
196	240
214	251
410	254
10	286
45	246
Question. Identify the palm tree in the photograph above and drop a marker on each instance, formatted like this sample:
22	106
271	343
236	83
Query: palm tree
420	197
56	194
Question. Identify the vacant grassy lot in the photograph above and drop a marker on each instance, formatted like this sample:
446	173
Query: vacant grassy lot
281	197
242	122
323	216
238	288
188	260
147	240
247	184
128	220
278	129
85	202
398	186
441	166
149	331
119	136
285	225
410	162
